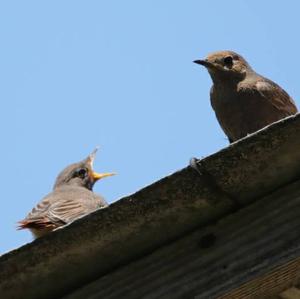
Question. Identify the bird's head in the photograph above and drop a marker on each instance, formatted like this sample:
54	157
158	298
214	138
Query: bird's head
80	174
225	65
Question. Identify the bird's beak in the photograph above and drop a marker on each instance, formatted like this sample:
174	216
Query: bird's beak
91	157
98	176
204	63
94	175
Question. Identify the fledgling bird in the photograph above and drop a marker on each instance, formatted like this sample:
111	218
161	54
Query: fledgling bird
243	100
71	198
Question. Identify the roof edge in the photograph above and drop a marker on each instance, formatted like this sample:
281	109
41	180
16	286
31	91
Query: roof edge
139	223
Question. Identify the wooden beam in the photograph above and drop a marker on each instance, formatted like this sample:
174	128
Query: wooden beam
168	209
292	293
270	284
253	253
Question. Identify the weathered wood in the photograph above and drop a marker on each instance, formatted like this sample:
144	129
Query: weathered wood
270	285
248	244
156	215
292	293
267	161
110	237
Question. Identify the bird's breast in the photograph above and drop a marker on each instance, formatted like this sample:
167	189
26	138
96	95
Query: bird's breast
235	110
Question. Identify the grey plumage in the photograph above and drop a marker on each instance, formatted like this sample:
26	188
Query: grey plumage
72	197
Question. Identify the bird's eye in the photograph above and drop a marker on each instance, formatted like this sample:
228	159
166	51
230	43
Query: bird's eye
228	61
82	172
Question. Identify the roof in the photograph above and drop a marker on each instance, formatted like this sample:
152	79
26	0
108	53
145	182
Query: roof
168	213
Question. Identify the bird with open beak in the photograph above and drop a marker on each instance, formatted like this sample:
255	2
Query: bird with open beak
243	100
72	197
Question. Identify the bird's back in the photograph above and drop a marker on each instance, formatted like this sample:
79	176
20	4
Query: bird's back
62	206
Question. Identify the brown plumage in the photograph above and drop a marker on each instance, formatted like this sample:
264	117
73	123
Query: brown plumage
72	197
243	101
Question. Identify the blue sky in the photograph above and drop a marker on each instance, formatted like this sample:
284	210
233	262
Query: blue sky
119	74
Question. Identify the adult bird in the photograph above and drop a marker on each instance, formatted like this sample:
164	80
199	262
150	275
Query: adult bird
72	197
243	100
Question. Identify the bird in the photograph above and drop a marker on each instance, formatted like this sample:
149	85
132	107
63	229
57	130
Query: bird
243	100
72	197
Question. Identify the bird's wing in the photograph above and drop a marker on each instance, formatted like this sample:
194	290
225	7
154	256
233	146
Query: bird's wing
38	218
59	208
276	96
66	211
57	214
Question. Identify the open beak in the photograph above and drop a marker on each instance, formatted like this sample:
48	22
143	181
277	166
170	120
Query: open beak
98	176
94	175
91	157
204	63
